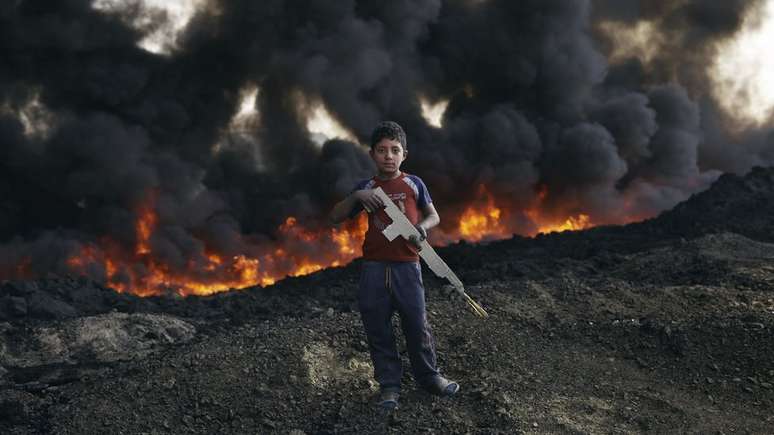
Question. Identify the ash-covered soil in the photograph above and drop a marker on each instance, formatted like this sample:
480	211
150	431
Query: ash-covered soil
661	327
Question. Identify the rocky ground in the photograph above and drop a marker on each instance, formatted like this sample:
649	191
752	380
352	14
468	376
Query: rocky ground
661	327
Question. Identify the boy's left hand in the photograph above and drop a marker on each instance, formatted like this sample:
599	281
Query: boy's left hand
422	236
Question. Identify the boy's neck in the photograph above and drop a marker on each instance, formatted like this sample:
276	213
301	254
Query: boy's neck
388	176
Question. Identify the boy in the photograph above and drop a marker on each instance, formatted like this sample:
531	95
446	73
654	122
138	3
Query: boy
391	278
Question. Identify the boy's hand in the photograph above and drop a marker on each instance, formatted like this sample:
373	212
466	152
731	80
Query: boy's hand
422	232
422	236
370	200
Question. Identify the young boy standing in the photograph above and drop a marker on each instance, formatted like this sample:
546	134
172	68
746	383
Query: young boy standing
391	278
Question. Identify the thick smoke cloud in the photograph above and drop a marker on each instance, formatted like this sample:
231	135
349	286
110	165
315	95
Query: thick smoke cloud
534	107
692	30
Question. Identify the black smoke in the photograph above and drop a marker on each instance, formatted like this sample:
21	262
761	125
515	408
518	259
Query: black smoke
534	106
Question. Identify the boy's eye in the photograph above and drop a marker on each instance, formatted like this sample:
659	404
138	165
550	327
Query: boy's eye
394	151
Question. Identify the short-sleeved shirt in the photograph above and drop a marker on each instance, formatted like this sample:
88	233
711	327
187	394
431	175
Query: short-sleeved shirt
410	194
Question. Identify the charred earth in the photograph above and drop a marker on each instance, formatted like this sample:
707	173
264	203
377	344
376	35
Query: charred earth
661	326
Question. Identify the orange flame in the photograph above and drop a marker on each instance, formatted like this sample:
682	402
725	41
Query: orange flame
301	253
298	250
145	226
573	223
482	220
547	225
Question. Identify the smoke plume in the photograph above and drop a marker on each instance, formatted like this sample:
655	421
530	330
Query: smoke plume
96	131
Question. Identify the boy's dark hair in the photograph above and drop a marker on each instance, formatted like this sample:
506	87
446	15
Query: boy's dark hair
390	130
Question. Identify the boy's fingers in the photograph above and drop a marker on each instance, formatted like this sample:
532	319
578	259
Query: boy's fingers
369	204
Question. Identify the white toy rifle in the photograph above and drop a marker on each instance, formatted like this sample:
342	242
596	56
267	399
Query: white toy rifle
401	226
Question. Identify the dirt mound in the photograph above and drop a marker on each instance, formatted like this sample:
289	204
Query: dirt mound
103	338
43	356
742	205
724	258
58	298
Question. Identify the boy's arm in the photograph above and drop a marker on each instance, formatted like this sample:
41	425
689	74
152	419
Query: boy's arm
430	217
344	208
429	220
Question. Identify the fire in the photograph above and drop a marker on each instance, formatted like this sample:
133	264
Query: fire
573	223
145	225
297	250
547	225
486	220
300	251
482	220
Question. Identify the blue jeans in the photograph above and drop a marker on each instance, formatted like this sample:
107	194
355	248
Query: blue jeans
386	287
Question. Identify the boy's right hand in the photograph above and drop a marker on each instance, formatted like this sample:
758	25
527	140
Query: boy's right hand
370	200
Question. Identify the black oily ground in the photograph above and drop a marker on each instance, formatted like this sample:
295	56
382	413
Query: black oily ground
253	378
573	351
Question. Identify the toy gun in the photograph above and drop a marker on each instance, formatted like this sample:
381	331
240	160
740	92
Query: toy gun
401	226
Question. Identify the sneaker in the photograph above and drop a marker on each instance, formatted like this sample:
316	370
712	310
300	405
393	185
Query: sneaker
388	400
441	386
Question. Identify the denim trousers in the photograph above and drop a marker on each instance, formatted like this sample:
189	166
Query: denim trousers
387	287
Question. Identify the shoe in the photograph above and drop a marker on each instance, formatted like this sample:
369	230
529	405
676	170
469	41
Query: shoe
441	386
388	400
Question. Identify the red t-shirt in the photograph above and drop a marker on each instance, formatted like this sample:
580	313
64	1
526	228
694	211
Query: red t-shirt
409	193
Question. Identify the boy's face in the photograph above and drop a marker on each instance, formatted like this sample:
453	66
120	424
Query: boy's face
388	154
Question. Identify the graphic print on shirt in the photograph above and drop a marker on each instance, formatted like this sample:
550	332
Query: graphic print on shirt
399	199
410	195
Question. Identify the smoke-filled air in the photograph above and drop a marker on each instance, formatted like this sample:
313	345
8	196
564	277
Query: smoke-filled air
198	145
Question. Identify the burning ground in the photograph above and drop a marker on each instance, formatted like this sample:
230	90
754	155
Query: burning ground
661	326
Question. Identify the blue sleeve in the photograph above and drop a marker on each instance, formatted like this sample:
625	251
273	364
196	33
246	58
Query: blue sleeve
423	196
358	206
